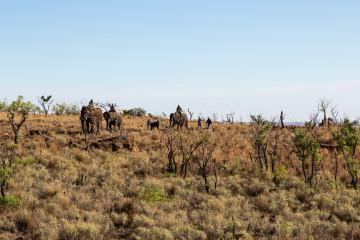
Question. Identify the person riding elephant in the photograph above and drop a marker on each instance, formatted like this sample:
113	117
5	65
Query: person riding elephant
178	119
179	109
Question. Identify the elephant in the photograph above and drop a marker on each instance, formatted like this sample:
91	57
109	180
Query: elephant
113	118
153	123
179	120
90	117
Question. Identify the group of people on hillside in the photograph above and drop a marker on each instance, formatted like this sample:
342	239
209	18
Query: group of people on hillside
208	122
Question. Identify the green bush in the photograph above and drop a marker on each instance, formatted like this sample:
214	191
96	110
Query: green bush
155	194
27	161
280	174
170	175
65	109
11	201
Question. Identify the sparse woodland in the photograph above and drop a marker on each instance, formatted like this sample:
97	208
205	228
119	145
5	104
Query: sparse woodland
233	181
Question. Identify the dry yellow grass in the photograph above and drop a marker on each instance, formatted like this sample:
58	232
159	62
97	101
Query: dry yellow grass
71	194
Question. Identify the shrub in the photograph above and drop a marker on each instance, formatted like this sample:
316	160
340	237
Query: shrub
187	232
170	175
154	194
25	222
280	174
81	231
138	112
255	188
65	109
11	201
27	161
153	233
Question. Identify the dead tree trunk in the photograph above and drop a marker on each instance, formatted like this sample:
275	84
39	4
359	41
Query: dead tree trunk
282	120
16	127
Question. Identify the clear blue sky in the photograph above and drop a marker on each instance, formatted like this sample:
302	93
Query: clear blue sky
210	56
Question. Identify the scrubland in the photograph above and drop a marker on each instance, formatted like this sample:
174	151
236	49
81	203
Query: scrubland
121	188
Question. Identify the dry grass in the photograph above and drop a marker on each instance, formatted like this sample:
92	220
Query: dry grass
71	194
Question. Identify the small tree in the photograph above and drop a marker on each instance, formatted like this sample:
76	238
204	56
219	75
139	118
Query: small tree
191	114
6	159
273	151
310	125
3	105
206	150
214	117
108	106
21	109
66	109
306	147
45	103
171	138
322	107
188	148
138	112
261	129
230	117
347	136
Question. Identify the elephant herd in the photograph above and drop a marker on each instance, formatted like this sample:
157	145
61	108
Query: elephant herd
91	117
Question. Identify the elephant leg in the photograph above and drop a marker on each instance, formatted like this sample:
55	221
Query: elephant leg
89	127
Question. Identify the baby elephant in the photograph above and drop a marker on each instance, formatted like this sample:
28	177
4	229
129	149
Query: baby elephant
153	123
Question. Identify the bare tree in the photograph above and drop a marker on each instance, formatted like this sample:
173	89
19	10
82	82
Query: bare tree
206	150
45	103
171	138
108	106
282	118
190	113
188	147
230	117
214	117
314	120
334	114
322	107
240	119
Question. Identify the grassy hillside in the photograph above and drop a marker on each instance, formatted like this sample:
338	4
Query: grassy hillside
121	188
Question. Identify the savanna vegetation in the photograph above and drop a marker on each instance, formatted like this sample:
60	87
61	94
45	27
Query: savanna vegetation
233	181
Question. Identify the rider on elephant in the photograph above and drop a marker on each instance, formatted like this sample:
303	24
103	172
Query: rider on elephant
112	108
179	109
